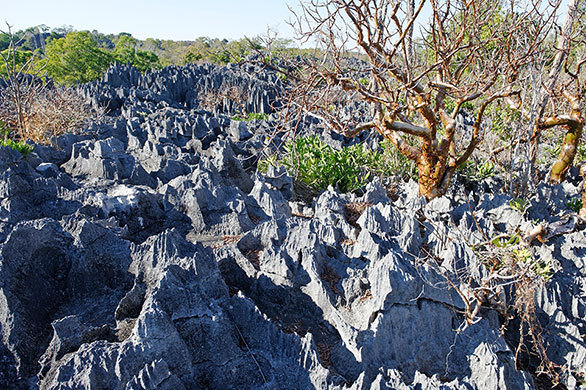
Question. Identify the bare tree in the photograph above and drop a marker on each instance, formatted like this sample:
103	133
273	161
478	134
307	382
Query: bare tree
469	54
573	122
20	87
31	108
560	97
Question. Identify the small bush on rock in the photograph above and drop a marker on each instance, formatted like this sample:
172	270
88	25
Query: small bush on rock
31	108
474	171
48	112
230	99
575	204
319	165
252	116
22	147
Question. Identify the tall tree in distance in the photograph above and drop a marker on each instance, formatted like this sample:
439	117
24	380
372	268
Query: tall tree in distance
76	58
126	52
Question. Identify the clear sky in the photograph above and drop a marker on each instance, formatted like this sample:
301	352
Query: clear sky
163	19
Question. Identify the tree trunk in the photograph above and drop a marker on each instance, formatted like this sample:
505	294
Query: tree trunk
434	177
563	45
583	173
409	37
568	152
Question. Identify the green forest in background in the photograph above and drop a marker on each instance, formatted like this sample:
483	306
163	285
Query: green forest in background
70	57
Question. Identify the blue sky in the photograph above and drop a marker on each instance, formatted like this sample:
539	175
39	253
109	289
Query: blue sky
164	19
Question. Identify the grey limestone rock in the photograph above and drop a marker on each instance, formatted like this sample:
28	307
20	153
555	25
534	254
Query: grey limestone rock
270	200
48	169
238	131
147	253
105	159
222	156
34	264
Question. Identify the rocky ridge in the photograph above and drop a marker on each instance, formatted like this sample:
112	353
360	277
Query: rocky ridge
147	253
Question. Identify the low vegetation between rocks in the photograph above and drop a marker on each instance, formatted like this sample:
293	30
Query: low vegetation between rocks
201	226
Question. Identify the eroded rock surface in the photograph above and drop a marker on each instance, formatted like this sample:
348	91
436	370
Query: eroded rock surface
148	253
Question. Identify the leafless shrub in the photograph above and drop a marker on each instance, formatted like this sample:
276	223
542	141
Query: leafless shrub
19	87
58	111
42	113
230	99
508	283
31	108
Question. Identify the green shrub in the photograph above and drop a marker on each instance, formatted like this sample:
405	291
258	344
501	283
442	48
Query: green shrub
474	171
318	165
393	163
264	163
502	120
541	268
511	249
22	147
575	204
252	116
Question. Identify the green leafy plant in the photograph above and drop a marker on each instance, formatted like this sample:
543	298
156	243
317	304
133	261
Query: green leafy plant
476	172
21	147
575	204
520	204
318	165
502	242
252	116
259	116
539	267
393	163
264	163
509	247
502	117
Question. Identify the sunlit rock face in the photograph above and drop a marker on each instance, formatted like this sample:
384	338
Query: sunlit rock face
149	253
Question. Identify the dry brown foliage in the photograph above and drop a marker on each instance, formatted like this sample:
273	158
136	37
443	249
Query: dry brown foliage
32	109
226	99
56	111
353	211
